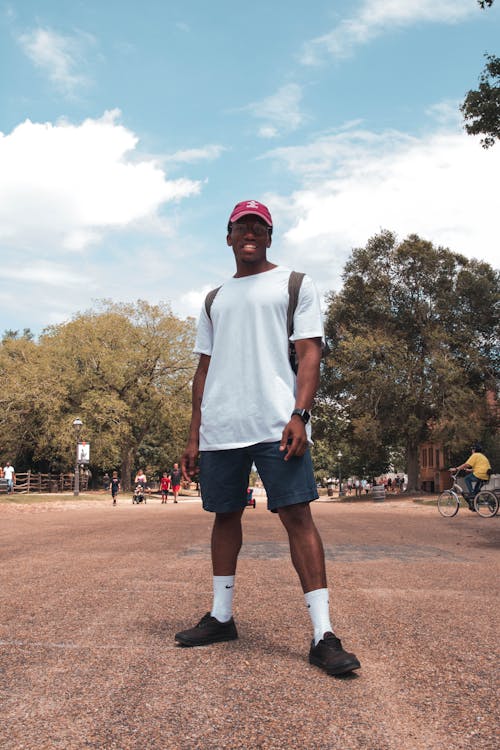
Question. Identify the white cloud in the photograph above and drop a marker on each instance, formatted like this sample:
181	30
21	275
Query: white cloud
45	273
442	186
193	155
376	17
268	131
280	112
60	57
446	112
191	301
62	185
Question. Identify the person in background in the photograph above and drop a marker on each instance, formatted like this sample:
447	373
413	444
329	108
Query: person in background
10	475
165	485
140	478
115	486
479	469
175	478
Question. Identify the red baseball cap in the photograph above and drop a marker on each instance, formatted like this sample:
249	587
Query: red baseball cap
251	207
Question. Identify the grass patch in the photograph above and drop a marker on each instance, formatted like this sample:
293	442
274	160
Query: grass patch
425	500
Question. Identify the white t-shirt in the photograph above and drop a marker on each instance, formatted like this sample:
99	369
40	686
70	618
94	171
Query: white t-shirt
8	472
249	391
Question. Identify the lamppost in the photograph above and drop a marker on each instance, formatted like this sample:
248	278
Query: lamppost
341	491
77	426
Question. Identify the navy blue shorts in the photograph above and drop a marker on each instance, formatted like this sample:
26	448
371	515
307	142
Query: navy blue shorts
224	477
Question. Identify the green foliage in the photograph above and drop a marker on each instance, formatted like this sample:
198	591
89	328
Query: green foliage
125	370
414	339
11	334
481	107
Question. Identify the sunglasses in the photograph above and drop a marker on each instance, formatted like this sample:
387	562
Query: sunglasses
244	227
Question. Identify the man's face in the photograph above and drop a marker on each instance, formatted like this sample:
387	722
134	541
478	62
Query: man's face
249	239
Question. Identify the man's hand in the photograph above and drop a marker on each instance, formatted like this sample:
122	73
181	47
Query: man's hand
294	438
189	460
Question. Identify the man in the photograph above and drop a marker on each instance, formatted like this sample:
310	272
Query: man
248	406
10	475
175	478
478	466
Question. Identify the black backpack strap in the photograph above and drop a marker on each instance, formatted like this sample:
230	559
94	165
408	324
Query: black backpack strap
209	301
294	284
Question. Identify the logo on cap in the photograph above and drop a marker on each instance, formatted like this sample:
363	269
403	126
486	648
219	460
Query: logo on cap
251	207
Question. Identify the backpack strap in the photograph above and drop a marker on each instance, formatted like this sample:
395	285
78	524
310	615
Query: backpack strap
294	284
209	301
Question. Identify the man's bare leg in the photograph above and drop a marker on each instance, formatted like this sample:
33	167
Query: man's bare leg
227	537
306	547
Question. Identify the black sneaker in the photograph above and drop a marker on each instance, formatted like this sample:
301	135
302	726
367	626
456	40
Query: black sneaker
209	630
330	656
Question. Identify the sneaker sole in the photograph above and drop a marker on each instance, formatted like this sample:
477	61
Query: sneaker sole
216	639
340	669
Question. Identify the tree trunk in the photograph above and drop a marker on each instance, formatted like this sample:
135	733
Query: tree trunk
126	468
413	468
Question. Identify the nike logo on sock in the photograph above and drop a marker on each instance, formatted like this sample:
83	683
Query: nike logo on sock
229	587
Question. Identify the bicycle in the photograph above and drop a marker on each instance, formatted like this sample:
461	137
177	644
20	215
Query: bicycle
484	502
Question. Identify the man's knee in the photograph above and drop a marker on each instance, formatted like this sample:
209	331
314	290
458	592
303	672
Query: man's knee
296	516
228	520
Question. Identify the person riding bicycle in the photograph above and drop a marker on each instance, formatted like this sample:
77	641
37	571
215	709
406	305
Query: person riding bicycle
479	469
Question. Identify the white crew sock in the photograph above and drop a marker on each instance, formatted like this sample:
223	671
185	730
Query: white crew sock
317	604
222	608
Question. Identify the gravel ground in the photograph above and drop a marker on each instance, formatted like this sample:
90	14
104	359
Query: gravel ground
92	595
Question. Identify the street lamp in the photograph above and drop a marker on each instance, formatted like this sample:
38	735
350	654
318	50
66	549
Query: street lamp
341	492
77	426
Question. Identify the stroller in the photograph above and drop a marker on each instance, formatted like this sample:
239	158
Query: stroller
139	495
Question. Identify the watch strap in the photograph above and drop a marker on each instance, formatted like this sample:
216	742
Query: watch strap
303	414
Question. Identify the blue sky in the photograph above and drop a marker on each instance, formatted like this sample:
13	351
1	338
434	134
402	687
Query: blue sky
128	131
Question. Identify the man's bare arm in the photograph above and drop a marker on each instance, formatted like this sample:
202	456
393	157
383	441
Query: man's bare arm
294	438
190	455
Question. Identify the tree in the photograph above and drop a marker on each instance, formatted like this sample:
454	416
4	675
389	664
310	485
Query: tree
125	370
481	107
414	348
30	396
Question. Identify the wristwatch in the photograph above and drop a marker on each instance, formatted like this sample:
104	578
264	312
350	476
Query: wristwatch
303	414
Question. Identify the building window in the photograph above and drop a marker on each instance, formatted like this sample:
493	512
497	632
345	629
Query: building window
437	458
430	456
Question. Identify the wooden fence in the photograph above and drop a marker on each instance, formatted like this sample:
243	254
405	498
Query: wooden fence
31	482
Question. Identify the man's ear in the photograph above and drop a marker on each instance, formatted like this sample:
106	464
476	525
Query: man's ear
229	240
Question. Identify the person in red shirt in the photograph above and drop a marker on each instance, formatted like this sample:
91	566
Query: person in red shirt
165	484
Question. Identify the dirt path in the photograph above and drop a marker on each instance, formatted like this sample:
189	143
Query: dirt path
91	596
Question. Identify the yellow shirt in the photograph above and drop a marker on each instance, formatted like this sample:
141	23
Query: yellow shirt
480	465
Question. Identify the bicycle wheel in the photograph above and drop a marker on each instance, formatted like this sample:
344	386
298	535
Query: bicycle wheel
486	503
448	503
